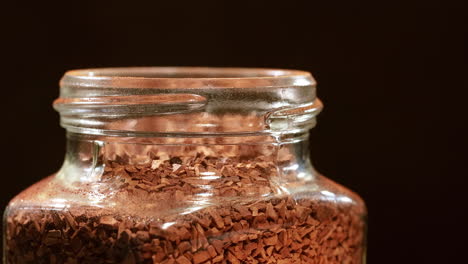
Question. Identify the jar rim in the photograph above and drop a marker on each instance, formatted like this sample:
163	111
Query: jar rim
190	100
185	77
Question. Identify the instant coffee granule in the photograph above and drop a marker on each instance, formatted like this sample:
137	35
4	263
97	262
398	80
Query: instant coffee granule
226	227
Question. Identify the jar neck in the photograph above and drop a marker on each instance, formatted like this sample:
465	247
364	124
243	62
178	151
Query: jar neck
87	156
161	101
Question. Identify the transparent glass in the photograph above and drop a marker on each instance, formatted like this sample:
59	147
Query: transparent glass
186	165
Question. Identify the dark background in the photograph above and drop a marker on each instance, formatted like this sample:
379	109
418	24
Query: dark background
380	66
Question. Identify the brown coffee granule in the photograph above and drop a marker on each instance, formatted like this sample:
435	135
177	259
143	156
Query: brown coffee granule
245	220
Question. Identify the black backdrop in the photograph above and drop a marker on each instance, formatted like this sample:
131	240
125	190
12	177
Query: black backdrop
378	64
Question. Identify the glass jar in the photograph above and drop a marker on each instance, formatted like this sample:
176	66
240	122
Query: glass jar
186	165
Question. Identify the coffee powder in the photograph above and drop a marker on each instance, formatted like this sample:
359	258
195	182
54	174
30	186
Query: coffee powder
199	210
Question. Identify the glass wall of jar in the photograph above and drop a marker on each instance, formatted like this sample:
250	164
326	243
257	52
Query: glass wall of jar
186	165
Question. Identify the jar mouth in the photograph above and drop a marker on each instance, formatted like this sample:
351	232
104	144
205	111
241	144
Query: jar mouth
185	77
187	100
